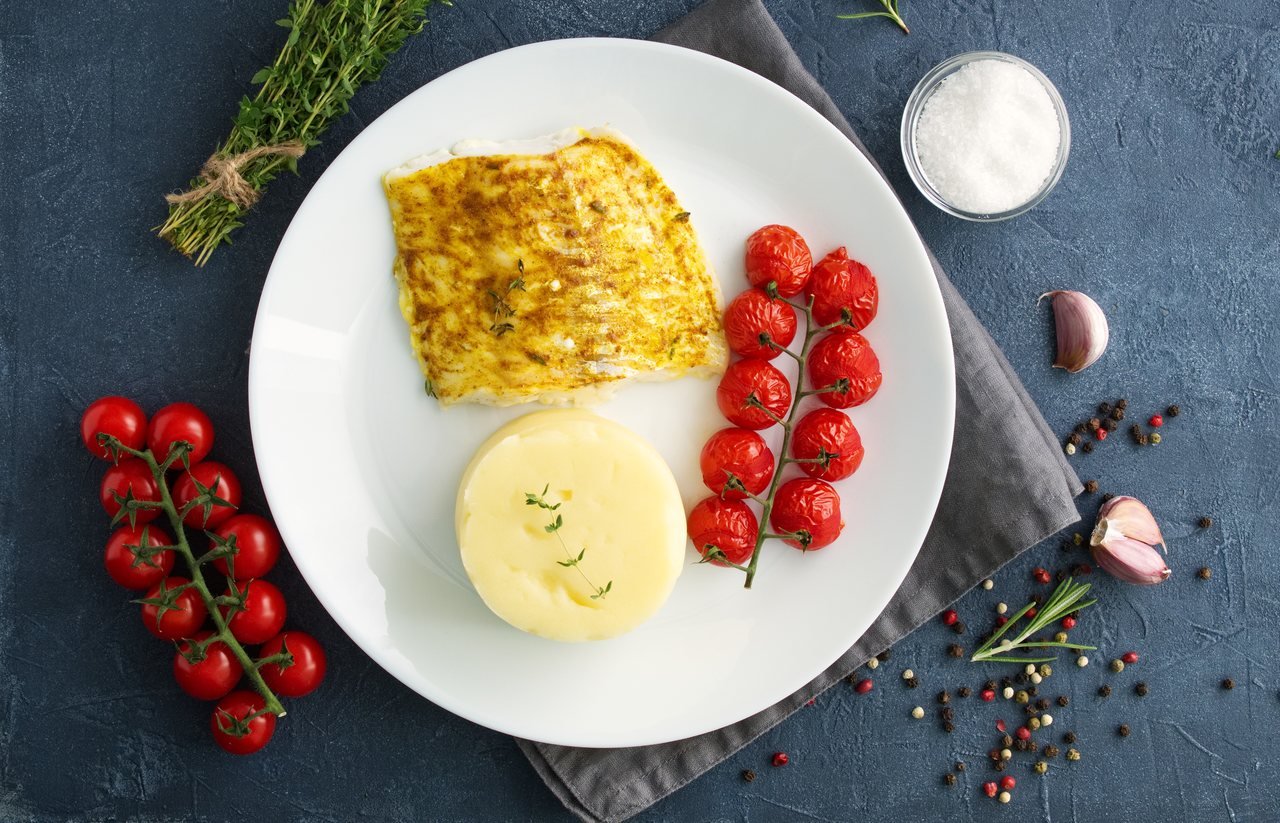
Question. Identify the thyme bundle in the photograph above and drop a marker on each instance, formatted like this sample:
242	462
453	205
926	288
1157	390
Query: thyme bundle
332	49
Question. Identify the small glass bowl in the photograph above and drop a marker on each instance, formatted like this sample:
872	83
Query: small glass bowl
920	96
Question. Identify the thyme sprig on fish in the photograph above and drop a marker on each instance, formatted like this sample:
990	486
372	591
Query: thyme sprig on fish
331	50
554	527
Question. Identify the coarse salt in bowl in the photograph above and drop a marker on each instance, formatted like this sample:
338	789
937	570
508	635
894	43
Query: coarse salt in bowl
985	136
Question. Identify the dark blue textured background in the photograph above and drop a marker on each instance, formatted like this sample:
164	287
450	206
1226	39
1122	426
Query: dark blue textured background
1168	214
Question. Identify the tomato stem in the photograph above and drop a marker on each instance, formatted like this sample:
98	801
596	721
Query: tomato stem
766	505
183	548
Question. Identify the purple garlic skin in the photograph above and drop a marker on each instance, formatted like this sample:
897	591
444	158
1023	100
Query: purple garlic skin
1124	542
1082	331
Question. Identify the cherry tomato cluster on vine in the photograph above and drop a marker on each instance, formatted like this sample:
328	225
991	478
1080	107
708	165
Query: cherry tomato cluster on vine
841	297
242	547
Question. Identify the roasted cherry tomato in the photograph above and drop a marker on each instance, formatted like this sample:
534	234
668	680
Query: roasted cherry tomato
747	379
130	477
754	319
741	453
728	525
183	618
127	566
241	724
844	360
263	615
180	421
839	284
301	677
779	255
257	545
119	417
221	481
213	675
827	435
810	509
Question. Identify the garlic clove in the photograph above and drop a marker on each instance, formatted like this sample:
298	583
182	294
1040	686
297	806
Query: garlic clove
1082	330
1130	518
1131	560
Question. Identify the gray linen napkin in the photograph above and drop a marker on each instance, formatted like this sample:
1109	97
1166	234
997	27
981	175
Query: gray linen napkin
1026	494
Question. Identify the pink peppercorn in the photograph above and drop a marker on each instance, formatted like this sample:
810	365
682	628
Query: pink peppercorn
988	695
1031	612
1007	783
1023	733
1101	434
949	617
863	686
1001	620
989	788
1068	622
781	759
1129	657
1000	726
1156	421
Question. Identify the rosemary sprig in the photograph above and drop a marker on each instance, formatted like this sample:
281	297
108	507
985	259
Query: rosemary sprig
890	11
1067	598
332	49
573	561
129	508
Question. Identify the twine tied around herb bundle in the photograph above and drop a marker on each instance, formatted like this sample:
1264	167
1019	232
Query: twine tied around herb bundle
222	175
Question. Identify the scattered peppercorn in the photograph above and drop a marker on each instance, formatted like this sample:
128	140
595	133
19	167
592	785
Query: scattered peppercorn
1081	428
998	765
1051	751
1060	637
1068	622
1104	690
1107	497
1205	522
1091	487
1069	737
1117	414
1021	697
1123	730
1155	438
1144	440
1104	408
1074	439
1007	693
1006	741
1064	701
1129	657
1094	424
1173	411
1030	710
1228	684
1077	538
991	684
1042	703
1117	665
944	697
1001	620
1073	755
1045	670
949	779
949	617
883	656
1005	797
955	650
988	695
863	686
947	714
917	712
912	683
1040	767
964	691
1033	723
948	726
989	788
1087	448
1205	573
1001	608
1101	434
1110	425
1122	403
1005	754
1007	783
1140	689
988	584
780	759
748	775
907	674
1156	421
958	628
960	766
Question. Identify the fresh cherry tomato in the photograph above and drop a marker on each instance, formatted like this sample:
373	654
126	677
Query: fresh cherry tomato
180	421
753	319
779	255
257	545
810	508
728	525
829	432
741	453
216	477
119	417
129	477
263	615
844	359
839	284
131	570
757	379
304	674
183	618
212	676
241	724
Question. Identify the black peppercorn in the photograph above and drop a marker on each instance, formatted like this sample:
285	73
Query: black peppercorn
990	685
944	697
948	726
1104	408
1050	751
1107	496
912	682
1091	486
1064	701
1205	522
1104	690
957	627
1032	691
1094	424
1020	745
1122	403
948	714
748	775
1173	411
1117	414
964	691
1087	448
1006	682
960	766
1110	425
998	765
883	656
1075	439
1144	440
949	778
955	650
1205	573
1006	741
1081	428
1123	731
1069	738
1228	684
1042	703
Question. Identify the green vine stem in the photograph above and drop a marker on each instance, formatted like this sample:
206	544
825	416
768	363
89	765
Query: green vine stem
183	547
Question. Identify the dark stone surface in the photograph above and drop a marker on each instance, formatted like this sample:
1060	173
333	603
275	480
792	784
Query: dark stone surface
1168	215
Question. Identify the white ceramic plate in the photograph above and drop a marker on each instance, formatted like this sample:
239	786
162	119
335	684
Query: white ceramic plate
337	405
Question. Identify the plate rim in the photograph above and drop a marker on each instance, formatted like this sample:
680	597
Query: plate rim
270	477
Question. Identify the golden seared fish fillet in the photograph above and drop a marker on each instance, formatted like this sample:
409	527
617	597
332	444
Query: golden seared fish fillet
549	269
